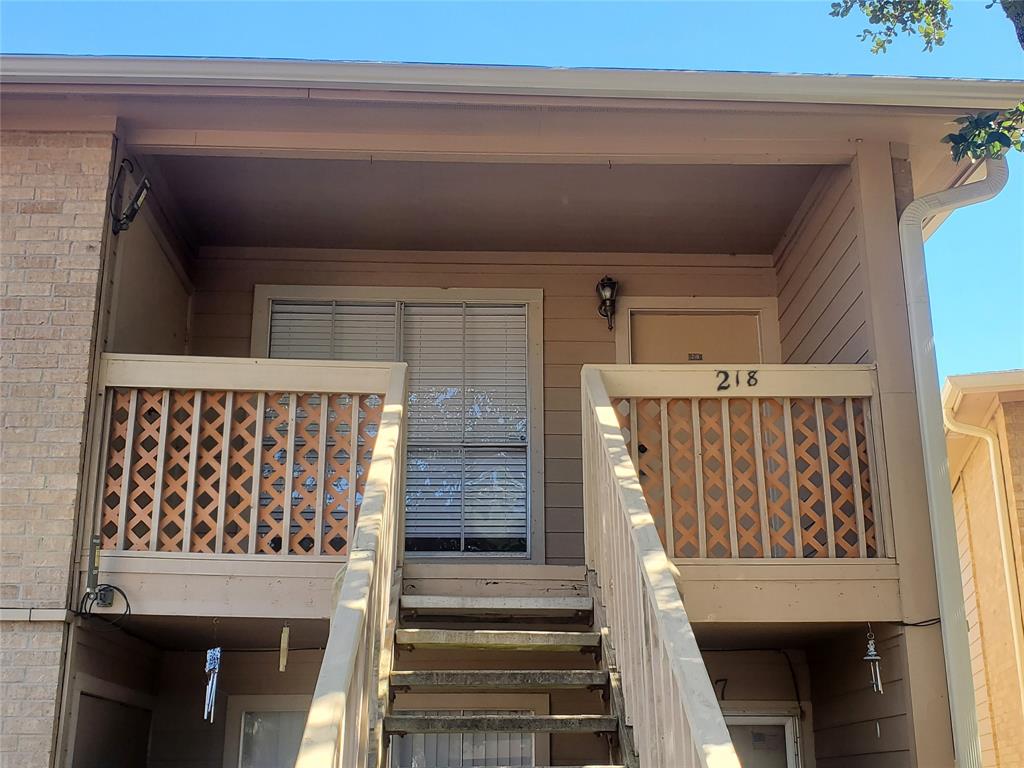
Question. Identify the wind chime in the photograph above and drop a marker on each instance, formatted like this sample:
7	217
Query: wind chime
874	661
212	670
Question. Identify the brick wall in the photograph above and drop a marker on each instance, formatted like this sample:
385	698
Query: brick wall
965	543
997	689
53	190
1011	720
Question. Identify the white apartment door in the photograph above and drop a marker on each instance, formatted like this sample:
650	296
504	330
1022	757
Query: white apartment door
671	337
467	473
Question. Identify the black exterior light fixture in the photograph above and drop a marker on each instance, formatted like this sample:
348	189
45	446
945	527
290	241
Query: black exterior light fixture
119	223
607	289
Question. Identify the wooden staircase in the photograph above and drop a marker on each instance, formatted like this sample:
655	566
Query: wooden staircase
517	652
487	649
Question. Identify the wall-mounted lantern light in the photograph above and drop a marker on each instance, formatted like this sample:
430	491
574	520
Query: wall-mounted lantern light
607	288
119	223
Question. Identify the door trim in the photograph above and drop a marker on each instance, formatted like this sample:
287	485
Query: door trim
84	684
765	308
532	298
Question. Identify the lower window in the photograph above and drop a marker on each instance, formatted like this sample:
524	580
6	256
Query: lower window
264	731
765	741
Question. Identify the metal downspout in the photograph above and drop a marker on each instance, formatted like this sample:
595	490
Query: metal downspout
959	678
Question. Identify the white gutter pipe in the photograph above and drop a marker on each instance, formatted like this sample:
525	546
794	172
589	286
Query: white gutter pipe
959	678
1005	536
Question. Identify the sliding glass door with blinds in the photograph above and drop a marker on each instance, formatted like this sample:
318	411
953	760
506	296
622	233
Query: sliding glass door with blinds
468	464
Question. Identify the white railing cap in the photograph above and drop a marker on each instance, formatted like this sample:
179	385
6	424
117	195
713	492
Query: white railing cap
245	374
736	380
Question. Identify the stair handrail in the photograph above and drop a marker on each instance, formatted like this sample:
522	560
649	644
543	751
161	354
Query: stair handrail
669	699
344	725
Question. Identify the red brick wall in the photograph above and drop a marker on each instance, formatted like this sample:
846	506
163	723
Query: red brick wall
53	190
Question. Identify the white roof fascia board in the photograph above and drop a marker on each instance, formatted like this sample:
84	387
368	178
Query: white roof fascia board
994	382
514	80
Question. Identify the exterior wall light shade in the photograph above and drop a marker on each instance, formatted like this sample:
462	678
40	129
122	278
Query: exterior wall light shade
120	222
607	289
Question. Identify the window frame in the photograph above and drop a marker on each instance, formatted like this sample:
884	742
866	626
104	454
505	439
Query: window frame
239	704
531	298
790	722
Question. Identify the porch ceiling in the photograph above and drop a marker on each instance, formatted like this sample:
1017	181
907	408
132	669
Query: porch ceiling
196	633
472	206
724	636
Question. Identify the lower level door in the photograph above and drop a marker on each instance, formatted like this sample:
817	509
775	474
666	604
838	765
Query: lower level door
463	750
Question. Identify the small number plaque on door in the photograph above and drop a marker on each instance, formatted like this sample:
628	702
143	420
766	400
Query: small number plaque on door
735	379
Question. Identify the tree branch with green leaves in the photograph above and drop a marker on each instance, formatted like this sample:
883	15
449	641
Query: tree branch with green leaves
983	135
987	135
929	19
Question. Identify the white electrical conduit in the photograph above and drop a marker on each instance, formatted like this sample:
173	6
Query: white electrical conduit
959	678
1005	536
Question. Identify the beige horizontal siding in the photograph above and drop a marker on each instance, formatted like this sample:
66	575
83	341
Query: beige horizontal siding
822	307
853	725
573	332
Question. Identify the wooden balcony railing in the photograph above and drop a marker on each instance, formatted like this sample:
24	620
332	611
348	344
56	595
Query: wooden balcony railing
775	462
235	456
344	728
668	696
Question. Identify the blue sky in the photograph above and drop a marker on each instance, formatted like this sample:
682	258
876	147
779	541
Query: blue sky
975	262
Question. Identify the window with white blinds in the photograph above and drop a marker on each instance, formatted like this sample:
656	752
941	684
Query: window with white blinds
331	330
467	485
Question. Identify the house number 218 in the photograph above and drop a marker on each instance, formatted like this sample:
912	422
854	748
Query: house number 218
730	379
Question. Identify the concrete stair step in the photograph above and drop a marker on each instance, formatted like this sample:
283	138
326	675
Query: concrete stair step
501	679
497	639
478	607
403	724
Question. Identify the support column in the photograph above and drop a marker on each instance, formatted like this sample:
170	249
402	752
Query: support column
930	733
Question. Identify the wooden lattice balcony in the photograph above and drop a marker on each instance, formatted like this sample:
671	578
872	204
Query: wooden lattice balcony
777	462
241	457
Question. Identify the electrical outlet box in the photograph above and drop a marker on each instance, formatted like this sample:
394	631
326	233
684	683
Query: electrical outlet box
104	596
